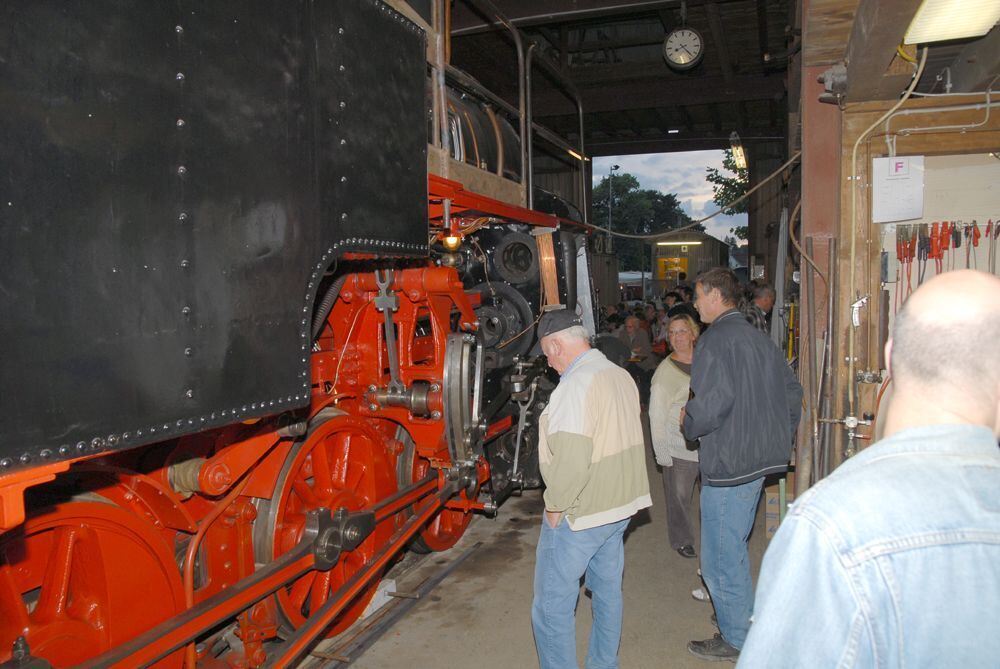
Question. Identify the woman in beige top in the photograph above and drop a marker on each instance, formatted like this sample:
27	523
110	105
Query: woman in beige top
669	392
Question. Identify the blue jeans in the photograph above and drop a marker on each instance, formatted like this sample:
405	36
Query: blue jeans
727	515
564	556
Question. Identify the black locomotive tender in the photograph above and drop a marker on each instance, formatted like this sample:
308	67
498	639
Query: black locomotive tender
177	180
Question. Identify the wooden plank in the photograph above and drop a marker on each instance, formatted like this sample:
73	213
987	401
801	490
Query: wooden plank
719	37
826	29
879	27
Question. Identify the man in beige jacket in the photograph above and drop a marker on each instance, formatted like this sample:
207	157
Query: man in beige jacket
592	459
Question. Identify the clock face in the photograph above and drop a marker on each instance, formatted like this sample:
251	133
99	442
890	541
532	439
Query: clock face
683	48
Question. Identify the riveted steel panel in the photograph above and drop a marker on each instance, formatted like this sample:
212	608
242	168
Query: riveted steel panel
174	180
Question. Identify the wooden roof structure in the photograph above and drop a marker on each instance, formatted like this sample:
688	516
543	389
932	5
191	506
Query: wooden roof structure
611	50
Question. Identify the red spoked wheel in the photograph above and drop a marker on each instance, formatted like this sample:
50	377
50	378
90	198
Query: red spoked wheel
342	462
70	578
447	527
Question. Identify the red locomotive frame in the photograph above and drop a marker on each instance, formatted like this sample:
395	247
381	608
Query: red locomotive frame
247	491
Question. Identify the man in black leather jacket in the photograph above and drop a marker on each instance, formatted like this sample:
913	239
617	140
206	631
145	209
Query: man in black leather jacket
745	407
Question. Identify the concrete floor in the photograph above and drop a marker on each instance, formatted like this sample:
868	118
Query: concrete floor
481	614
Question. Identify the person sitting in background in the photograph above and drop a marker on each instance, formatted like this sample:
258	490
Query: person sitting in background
894	559
640	313
669	392
660	324
649	313
642	363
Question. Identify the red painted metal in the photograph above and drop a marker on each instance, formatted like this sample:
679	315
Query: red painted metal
12	487
69	578
499	427
340	465
353	358
351	460
165	638
231	462
297	644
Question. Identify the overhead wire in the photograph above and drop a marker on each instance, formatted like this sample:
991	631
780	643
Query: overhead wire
723	208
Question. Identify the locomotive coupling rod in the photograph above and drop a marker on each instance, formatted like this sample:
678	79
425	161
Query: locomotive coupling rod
319	544
405	498
304	636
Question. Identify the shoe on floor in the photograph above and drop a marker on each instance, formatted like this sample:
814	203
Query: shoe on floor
701	595
687	551
715	649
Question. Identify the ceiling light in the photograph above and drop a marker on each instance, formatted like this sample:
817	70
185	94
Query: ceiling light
940	20
739	155
678	243
574	154
673	131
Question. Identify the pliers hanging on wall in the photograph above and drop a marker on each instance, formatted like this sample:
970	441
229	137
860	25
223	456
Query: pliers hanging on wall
945	241
956	240
975	244
923	251
991	250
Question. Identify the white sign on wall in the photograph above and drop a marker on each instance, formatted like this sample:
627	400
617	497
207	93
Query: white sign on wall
897	189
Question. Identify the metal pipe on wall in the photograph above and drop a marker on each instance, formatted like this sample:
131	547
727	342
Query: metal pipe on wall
826	435
529	177
460	79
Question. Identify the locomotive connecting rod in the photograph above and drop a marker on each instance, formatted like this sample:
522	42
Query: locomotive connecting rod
323	538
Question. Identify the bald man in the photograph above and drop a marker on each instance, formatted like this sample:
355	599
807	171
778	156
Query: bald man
894	559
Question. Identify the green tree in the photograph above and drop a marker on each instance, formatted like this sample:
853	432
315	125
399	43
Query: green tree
637	211
729	185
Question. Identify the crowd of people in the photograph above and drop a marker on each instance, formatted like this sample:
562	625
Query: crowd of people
845	581
640	330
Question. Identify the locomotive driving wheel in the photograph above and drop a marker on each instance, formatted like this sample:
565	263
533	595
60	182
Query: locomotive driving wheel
69	578
340	463
447	527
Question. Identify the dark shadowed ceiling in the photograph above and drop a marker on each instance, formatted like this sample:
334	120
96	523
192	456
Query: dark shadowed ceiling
611	50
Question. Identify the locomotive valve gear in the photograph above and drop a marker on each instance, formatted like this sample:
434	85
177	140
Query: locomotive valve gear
388	302
463	371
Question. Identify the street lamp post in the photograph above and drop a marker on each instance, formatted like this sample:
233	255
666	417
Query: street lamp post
611	171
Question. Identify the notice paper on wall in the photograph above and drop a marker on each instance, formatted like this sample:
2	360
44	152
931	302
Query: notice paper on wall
897	189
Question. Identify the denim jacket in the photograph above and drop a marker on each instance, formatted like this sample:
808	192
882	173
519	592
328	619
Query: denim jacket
892	561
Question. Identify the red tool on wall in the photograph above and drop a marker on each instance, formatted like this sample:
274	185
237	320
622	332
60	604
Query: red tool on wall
936	252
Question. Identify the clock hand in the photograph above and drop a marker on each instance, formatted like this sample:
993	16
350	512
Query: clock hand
688	52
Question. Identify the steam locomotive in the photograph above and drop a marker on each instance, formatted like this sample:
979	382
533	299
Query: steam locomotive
253	349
